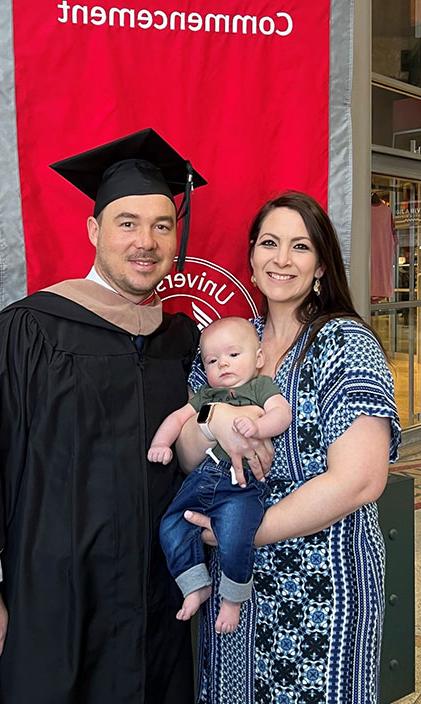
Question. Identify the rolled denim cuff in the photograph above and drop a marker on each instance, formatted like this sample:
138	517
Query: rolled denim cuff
235	591
193	579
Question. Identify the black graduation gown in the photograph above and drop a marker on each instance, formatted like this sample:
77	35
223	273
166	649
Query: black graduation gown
91	604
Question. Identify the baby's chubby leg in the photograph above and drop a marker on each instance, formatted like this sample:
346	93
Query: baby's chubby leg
235	518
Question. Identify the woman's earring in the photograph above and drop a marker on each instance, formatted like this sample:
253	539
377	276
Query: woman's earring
253	280
317	286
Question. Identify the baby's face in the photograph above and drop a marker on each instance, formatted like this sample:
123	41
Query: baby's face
231	355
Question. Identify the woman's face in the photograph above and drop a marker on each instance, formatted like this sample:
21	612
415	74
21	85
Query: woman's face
284	259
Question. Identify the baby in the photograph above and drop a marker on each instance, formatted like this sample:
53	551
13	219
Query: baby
232	357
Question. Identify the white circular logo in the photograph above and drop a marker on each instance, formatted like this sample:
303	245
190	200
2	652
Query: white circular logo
205	291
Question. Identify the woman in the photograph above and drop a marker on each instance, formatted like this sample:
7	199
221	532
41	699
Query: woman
312	630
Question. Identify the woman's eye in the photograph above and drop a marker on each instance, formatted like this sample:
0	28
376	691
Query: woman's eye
267	242
301	245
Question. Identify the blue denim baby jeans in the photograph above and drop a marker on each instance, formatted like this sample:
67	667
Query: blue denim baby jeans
235	515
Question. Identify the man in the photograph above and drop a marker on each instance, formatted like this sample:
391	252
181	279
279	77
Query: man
88	370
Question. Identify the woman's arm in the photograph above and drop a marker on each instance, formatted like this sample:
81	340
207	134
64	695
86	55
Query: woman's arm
357	471
192	444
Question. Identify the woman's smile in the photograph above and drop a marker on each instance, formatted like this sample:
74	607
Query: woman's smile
284	259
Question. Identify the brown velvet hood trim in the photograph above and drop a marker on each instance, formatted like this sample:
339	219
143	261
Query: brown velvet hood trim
134	318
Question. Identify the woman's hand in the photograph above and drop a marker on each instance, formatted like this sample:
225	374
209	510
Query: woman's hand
258	453
199	519
192	444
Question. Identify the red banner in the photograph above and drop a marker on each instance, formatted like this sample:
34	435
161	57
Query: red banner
242	92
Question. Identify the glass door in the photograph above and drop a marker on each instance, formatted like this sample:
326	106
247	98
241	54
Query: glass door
396	285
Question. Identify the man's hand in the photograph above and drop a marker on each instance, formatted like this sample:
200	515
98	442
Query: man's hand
198	519
4	618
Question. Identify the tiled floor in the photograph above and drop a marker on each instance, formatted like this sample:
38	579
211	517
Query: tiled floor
415	698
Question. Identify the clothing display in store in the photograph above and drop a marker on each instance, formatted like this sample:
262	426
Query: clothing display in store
383	243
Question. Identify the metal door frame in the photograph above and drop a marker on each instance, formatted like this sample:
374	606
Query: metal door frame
406	166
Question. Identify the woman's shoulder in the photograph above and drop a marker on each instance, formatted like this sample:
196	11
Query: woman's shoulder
342	330
346	324
348	339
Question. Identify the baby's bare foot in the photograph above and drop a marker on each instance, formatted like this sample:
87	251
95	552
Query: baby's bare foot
192	603
228	617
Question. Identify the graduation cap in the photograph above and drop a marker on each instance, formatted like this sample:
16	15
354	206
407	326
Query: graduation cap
139	164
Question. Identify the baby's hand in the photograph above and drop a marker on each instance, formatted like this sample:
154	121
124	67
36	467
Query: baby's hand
245	426
160	453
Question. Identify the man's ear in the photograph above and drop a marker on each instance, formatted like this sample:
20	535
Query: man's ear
260	358
93	230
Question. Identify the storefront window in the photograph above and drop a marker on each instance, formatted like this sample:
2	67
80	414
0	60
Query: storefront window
397	39
396	120
396	284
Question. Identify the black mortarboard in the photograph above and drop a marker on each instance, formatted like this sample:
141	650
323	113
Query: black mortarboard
141	163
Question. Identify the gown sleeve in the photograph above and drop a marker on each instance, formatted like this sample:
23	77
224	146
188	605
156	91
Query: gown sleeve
21	349
354	380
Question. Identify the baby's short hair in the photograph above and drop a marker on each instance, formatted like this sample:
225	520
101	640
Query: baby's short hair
233	319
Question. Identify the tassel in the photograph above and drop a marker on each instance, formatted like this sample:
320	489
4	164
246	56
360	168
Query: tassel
184	212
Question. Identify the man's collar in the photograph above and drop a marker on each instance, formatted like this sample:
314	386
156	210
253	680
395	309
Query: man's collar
94	276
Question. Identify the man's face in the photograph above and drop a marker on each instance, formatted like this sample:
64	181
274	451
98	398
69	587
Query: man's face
135	240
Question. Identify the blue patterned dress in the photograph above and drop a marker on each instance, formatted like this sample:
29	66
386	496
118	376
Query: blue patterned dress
310	633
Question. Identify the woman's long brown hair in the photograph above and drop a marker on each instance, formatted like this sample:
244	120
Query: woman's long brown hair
335	297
